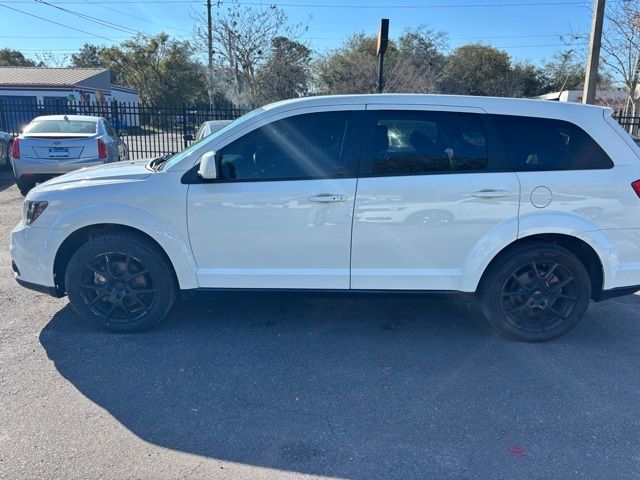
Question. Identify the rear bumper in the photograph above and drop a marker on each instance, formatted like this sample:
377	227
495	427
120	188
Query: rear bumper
42	166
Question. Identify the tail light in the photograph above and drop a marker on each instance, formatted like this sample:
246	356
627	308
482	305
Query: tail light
15	148
636	187
102	149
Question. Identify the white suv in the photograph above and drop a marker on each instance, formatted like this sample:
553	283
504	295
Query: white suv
531	205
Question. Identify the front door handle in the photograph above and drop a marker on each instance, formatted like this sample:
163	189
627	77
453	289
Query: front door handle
327	198
491	193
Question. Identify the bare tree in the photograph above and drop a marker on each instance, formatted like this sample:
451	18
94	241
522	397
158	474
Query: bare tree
50	59
242	39
620	51
621	46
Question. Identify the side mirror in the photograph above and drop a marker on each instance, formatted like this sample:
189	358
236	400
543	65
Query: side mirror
208	166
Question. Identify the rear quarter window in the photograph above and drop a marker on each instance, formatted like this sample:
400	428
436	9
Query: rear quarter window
543	144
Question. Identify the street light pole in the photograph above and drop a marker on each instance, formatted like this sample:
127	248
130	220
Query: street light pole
591	77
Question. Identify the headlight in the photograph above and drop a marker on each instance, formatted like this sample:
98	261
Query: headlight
32	210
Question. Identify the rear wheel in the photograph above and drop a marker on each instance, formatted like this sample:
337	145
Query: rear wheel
536	293
24	185
120	282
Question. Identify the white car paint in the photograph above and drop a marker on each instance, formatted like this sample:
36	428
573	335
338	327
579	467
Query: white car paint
271	235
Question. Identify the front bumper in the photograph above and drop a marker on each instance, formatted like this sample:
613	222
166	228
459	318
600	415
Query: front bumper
33	252
42	166
52	291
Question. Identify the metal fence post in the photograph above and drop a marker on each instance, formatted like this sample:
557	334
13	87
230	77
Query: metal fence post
184	125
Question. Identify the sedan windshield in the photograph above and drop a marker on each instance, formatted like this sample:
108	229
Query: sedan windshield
62	126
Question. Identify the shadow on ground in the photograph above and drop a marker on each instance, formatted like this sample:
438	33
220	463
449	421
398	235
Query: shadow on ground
6	178
361	387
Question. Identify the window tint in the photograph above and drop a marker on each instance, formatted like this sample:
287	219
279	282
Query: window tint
416	142
314	145
547	144
62	126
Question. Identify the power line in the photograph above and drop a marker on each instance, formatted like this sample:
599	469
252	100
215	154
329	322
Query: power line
104	23
54	22
324	5
98	4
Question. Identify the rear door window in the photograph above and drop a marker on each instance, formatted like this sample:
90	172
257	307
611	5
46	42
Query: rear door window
543	144
414	142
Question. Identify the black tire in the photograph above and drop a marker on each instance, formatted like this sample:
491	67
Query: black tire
120	282
536	292
24	186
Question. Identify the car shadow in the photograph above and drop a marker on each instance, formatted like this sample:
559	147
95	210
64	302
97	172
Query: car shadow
6	178
324	384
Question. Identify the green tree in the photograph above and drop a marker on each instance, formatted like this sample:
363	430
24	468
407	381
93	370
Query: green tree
352	68
89	56
14	58
285	74
412	64
478	69
527	81
162	69
563	72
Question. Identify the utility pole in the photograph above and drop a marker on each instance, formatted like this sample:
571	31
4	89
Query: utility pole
210	55
591	78
383	42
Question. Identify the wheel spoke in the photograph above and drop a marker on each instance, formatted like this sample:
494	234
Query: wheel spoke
136	275
511	294
517	279
96	298
146	310
557	313
124	307
550	272
567	297
110	312
512	311
141	291
562	284
97	288
535	269
107	264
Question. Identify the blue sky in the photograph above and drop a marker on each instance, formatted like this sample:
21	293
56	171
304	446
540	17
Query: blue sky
527	29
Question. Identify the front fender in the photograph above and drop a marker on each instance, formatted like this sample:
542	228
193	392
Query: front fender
171	237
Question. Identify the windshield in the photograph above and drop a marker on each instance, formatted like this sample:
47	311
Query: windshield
62	126
195	145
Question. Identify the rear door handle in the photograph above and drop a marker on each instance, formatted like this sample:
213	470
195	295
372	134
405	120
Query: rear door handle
491	194
327	198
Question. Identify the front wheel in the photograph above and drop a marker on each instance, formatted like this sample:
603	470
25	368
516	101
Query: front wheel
536	292
120	282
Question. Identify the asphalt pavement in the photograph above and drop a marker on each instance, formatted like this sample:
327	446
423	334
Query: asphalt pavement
248	385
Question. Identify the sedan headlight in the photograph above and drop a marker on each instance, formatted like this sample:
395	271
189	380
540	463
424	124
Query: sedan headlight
32	210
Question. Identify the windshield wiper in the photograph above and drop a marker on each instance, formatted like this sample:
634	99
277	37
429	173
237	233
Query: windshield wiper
156	163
